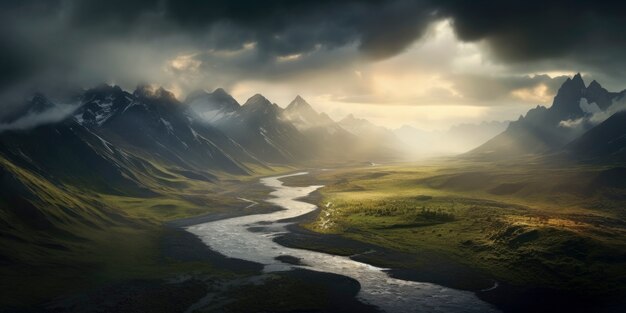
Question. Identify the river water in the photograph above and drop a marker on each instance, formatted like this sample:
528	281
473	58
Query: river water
233	238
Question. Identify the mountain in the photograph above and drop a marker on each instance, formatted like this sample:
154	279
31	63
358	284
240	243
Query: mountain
457	139
376	140
36	105
108	164
366	129
57	179
548	129
212	106
332	142
303	116
117	142
41	219
70	153
257	125
152	123
100	104
296	134
208	134
605	142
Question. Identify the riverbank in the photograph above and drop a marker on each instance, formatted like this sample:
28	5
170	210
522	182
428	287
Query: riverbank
250	238
285	291
437	269
373	218
205	280
251	290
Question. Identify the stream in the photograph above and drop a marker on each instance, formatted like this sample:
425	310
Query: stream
234	238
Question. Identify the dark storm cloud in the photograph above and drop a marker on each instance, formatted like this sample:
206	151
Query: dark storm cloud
517	30
47	38
534	29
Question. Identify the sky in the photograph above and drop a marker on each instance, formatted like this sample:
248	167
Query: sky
429	64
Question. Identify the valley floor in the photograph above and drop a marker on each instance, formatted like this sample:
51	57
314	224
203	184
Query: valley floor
547	237
147	262
552	237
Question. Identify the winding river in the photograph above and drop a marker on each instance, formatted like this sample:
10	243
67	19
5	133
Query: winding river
233	238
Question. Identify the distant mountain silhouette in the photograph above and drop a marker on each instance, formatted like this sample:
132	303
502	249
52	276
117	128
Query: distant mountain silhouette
258	127
548	129
36	105
364	128
373	137
331	140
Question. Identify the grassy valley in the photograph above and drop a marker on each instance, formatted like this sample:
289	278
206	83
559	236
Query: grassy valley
59	239
558	228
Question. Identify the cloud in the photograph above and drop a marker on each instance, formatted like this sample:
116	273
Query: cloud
534	29
488	54
515	30
595	115
52	115
598	116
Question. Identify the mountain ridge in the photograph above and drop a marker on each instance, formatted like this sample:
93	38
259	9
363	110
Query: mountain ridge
546	129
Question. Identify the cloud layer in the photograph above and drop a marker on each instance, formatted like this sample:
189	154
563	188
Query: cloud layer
189	44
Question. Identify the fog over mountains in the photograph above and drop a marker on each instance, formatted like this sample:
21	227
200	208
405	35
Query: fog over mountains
577	110
457	139
211	132
57	157
208	132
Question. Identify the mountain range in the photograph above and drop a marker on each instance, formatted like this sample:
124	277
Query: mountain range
208	132
58	161
583	122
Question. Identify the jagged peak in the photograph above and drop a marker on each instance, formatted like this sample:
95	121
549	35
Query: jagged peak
299	99
569	93
164	93
576	82
148	91
577	76
299	102
594	85
220	92
39	103
144	91
219	99
258	99
199	93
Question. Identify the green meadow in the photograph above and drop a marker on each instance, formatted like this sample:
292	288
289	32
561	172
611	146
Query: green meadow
534	225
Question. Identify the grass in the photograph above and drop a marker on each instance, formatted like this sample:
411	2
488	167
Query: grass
59	238
555	226
522	224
